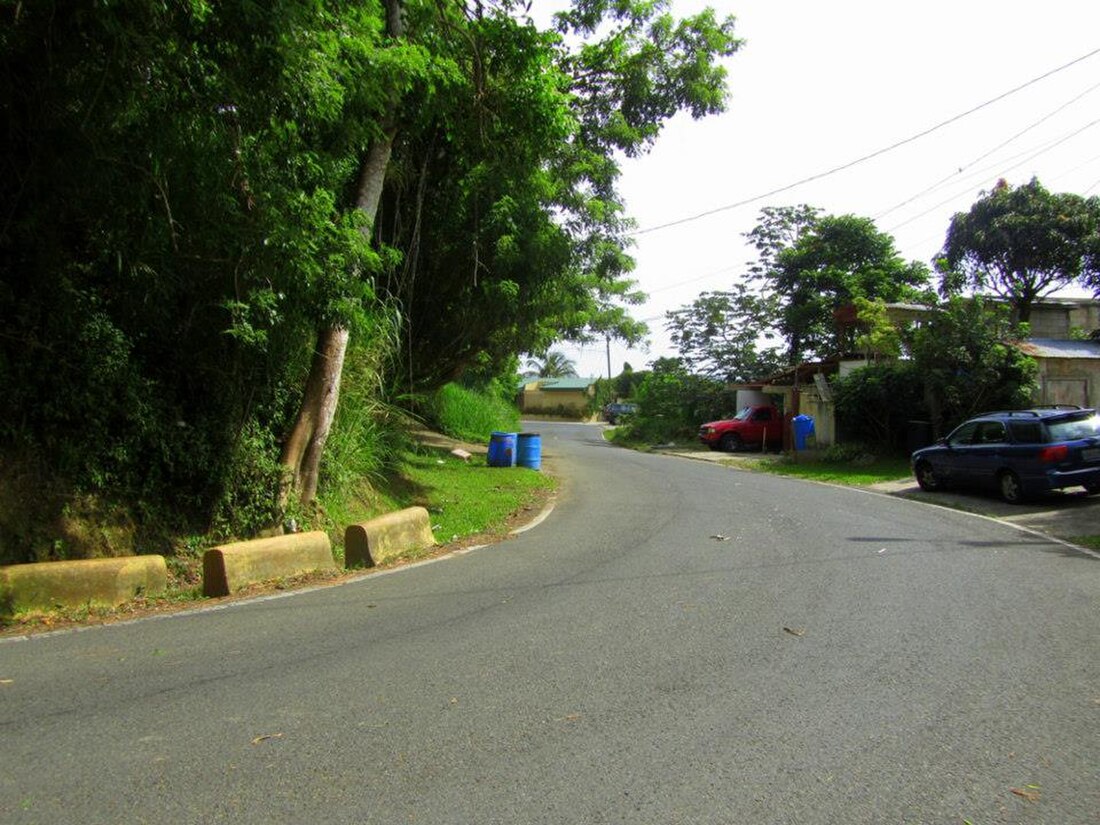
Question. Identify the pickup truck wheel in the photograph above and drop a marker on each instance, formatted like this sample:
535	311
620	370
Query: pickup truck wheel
731	442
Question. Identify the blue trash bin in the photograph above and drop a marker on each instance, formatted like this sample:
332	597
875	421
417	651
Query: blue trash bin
529	451
502	450
803	429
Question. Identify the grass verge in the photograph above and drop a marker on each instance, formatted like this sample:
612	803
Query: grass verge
469	503
859	473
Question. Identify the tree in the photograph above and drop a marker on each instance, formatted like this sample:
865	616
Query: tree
718	335
503	191
201	204
965	356
672	401
879	337
304	445
827	262
1022	243
554	365
875	402
170	235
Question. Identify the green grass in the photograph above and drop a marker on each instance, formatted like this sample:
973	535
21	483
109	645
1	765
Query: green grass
860	474
466	498
471	416
1092	542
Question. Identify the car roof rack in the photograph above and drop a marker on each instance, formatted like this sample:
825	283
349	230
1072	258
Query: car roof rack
1033	412
1009	413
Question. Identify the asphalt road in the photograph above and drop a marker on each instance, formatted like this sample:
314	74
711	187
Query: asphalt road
678	642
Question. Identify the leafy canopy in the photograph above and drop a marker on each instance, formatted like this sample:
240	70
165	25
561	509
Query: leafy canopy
1022	243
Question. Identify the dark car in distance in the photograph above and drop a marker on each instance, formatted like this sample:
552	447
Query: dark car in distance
613	413
1017	453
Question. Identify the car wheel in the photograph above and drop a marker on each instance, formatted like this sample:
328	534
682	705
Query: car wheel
1009	484
927	478
731	442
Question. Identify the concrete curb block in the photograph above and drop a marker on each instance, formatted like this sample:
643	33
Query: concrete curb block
372	542
45	585
229	567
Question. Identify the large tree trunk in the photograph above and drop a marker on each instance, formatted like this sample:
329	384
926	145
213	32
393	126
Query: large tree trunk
304	447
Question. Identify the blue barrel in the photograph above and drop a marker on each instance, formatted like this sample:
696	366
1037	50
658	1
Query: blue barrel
803	429
502	450
529	450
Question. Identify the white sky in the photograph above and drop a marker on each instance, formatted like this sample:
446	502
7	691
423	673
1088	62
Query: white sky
821	83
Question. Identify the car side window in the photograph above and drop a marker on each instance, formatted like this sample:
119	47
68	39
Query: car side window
762	415
1027	432
963	435
990	432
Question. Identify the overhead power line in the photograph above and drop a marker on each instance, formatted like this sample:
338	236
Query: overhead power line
987	154
1028	159
871	156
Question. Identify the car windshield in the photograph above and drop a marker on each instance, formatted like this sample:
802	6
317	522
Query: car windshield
1071	429
744	414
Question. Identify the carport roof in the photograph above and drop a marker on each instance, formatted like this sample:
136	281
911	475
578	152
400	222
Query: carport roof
1057	348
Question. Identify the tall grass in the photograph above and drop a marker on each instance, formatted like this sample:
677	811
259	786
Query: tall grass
469	415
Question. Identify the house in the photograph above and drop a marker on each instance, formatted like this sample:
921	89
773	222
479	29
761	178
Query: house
1069	371
568	397
1064	318
802	390
1069	368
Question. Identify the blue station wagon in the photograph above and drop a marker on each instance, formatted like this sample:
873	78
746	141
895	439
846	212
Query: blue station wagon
1017	453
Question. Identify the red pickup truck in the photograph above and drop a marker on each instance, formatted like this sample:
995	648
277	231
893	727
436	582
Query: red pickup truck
757	425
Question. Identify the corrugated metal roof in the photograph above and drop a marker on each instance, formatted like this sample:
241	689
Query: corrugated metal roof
1057	348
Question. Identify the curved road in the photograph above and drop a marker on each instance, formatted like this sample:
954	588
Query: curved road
837	657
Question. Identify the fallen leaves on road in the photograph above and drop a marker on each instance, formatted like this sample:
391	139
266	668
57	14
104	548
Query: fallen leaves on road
265	737
1029	792
795	631
7	681
719	537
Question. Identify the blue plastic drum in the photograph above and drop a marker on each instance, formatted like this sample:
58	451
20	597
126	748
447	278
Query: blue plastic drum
529	450
502	450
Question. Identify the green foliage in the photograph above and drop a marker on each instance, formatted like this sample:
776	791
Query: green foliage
879	336
967	364
514	231
719	334
1022	243
173	233
962	363
553	365
469	415
673	402
178	186
832	262
874	404
251	480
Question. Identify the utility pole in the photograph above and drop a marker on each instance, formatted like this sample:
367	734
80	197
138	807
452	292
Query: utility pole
608	338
